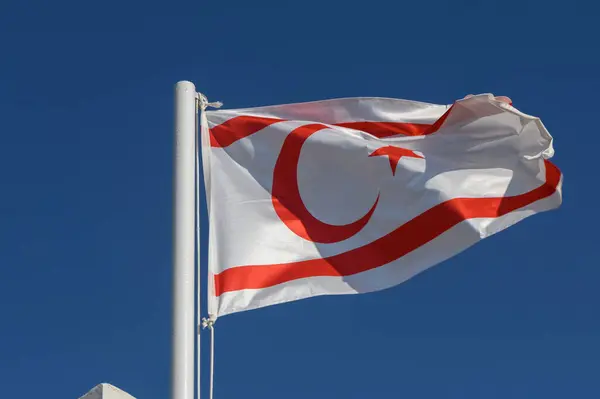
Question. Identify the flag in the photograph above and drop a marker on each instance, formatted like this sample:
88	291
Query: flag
356	195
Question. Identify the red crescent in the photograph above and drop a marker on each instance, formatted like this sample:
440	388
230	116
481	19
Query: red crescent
288	202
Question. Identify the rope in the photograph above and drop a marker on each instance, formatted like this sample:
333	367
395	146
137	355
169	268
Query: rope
210	324
198	286
205	104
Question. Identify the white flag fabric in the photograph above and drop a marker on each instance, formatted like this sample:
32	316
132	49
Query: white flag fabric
356	195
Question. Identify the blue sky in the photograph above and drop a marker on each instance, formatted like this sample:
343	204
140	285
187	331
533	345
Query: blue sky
86	99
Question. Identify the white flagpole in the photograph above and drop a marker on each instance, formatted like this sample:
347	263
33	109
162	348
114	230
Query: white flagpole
184	330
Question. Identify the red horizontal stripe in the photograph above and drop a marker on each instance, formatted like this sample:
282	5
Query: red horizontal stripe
238	127
403	240
387	129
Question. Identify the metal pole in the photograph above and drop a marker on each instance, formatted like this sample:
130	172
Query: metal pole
184	330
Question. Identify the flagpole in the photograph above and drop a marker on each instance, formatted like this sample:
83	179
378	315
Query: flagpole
183	334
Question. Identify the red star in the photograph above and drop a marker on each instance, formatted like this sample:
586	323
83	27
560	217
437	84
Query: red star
394	154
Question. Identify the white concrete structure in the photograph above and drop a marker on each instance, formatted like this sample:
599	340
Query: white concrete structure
106	391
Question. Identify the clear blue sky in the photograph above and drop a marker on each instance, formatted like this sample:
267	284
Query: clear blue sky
85	202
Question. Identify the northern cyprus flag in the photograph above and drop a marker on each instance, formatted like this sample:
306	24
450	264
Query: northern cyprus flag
355	195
